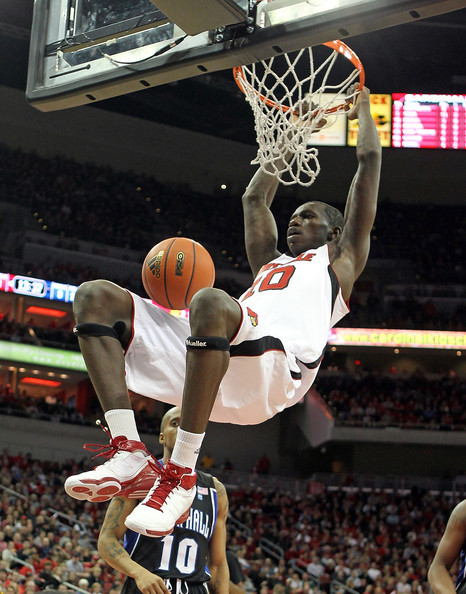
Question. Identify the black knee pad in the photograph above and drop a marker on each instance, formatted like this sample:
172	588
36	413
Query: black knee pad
207	343
91	329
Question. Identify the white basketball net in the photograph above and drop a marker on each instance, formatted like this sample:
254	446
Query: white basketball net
280	95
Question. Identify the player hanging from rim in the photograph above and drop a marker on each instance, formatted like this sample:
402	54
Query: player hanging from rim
246	359
193	556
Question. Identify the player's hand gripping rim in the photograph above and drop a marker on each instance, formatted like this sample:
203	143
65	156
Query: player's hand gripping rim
355	99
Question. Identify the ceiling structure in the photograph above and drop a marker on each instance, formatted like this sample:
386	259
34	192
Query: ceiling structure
422	56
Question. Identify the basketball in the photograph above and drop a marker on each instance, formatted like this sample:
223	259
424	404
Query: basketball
175	269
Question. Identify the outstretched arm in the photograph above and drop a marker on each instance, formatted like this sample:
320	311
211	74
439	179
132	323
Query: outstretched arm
448	552
217	561
260	228
110	549
352	246
261	234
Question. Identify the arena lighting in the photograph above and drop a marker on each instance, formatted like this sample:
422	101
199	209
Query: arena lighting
196	16
383	337
45	311
37	381
280	12
36	287
43	356
429	120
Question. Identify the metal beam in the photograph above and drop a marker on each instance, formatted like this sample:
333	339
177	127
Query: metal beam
184	62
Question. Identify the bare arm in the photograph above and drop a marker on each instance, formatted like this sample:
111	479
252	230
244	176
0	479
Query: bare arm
448	552
217	561
351	249
260	228
261	235
110	549
236	589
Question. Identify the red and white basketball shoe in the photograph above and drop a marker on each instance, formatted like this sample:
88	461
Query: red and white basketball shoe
167	503
142	484
127	469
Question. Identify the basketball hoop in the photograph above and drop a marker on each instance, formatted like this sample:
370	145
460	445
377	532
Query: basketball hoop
291	98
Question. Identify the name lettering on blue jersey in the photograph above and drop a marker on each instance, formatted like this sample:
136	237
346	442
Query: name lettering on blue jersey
198	521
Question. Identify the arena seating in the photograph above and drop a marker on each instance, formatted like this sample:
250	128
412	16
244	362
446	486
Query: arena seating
348	539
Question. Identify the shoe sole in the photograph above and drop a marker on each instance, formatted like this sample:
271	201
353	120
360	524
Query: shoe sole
136	527
94	491
103	489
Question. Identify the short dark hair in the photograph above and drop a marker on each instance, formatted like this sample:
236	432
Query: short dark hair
335	218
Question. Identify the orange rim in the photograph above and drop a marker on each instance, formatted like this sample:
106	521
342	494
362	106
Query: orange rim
336	45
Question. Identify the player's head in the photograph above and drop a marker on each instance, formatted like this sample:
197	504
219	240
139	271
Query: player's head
311	225
169	429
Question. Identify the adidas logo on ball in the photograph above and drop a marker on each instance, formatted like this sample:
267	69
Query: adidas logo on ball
174	270
179	264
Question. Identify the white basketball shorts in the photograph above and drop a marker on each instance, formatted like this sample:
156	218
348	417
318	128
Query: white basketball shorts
257	385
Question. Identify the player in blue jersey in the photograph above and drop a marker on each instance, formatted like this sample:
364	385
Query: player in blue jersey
452	547
186	560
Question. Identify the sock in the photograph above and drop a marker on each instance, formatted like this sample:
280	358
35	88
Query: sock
187	447
121	421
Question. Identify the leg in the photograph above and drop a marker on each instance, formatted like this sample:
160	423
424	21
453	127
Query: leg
213	315
103	304
214	319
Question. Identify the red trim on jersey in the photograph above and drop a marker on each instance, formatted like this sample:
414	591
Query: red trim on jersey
132	322
336	276
241	321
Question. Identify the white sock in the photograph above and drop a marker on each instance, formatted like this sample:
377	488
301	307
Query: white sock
187	447
121	421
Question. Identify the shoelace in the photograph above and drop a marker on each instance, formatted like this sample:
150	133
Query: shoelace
155	465
168	482
107	450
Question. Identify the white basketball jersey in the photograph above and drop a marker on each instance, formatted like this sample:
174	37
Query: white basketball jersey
275	354
299	298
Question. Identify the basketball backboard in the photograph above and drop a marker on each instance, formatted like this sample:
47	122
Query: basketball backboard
83	51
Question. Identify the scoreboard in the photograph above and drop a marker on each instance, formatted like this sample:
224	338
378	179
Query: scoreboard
381	111
406	120
423	120
36	287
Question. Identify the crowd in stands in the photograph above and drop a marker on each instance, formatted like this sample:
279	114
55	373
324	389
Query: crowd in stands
373	542
411	401
54	409
41	548
362	399
45	408
84	201
29	333
408	312
423	235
